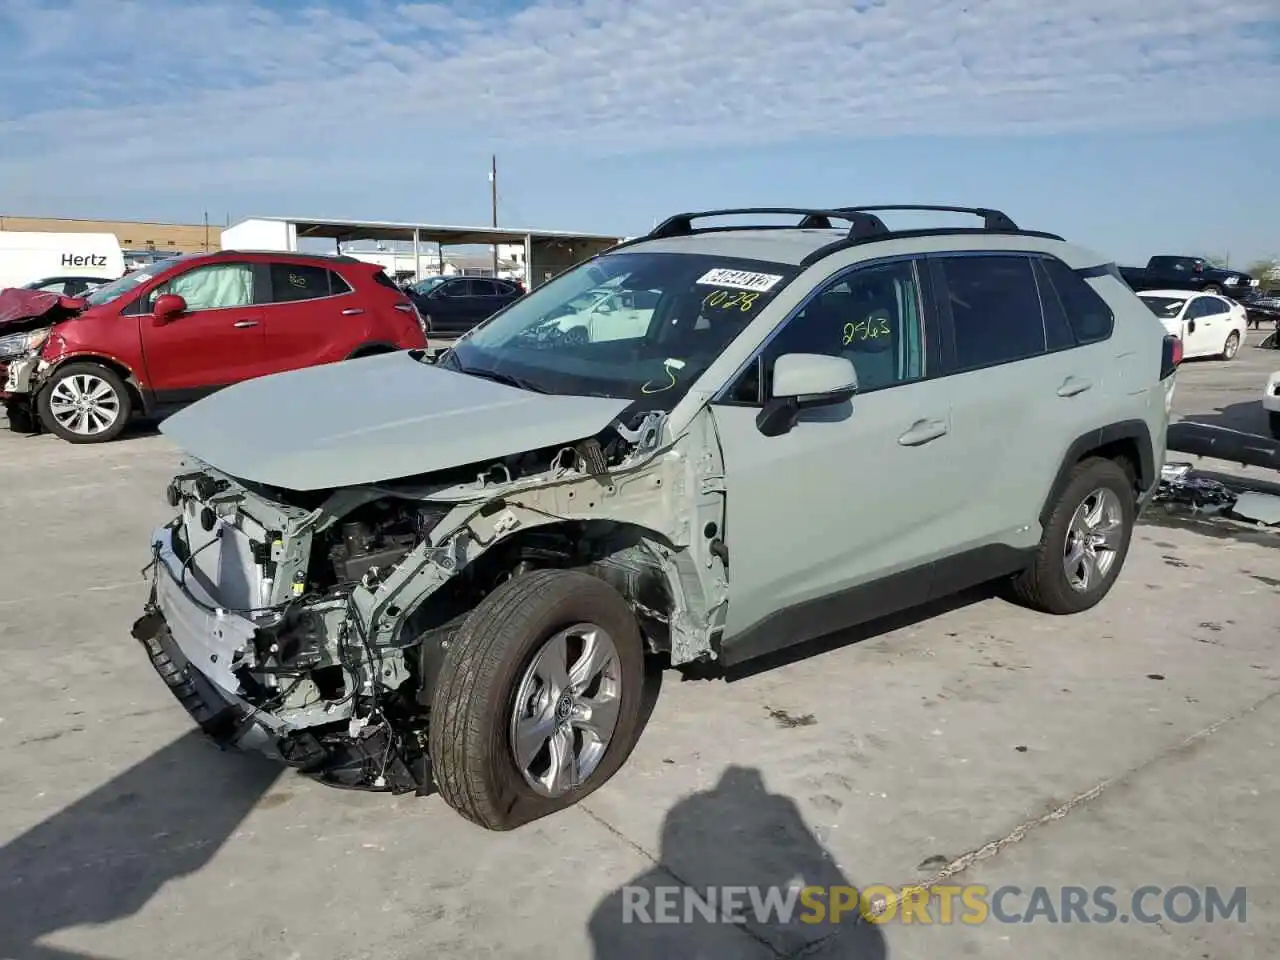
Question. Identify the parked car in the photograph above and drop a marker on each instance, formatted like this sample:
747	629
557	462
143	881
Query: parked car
158	338
67	286
1271	403
1264	308
377	563
453	305
1188	273
1209	325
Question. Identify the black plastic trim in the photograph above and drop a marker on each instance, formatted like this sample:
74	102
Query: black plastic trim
847	243
1082	446
871	601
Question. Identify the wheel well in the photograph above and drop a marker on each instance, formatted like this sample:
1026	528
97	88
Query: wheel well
1127	443
123	372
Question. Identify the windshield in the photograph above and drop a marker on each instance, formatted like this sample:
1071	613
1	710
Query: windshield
427	285
1167	307
625	325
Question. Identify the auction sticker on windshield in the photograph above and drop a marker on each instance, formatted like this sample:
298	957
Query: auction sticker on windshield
739	279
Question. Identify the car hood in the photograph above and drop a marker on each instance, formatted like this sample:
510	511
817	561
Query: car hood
372	420
18	306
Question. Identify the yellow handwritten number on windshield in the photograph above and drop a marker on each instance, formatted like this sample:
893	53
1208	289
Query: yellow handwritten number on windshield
865	330
727	301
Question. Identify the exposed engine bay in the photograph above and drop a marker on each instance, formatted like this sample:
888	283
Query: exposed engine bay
316	621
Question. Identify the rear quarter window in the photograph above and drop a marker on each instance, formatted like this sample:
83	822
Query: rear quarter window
1090	318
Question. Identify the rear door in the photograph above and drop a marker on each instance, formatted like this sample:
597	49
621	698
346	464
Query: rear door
1023	385
1216	324
312	315
216	342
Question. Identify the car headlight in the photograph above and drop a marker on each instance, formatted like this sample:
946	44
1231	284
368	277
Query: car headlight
1231	281
22	344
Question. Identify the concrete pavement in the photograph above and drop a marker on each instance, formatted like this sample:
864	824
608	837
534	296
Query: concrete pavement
1135	744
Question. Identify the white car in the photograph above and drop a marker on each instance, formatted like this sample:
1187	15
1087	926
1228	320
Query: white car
607	313
1209	325
1271	403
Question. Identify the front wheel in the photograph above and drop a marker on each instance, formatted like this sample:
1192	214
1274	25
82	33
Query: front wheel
85	403
538	700
1231	347
1212	288
1085	540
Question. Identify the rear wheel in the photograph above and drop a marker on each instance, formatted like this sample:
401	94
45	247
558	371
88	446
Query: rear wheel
1085	540
1231	347
538	700
85	403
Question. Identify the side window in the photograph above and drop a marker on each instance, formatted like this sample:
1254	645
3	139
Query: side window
871	315
291	282
995	309
453	288
482	288
337	285
1058	334
1090	318
1215	305
1196	310
215	287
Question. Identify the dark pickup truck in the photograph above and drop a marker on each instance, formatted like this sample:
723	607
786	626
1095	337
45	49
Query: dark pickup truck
1188	273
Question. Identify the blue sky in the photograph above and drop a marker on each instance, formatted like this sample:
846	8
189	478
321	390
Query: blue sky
1131	126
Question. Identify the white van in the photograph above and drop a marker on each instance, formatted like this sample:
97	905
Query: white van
28	257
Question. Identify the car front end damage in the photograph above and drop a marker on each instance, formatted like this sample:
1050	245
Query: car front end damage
310	626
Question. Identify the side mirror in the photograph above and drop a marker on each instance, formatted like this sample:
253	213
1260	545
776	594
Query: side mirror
803	381
1191	326
168	306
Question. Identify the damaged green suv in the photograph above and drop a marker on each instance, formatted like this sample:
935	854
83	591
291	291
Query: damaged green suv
709	443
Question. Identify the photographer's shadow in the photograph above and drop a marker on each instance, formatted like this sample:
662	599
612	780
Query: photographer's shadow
737	835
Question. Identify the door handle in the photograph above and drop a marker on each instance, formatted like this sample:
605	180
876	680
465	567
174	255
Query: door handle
1073	386
352	311
922	431
245	323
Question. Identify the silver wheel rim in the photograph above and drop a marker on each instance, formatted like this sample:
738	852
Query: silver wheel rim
84	404
566	709
1094	539
1233	344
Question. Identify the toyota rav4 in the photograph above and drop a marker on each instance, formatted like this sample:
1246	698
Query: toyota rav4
405	575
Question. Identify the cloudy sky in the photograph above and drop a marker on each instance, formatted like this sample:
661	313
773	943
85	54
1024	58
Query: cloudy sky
1134	126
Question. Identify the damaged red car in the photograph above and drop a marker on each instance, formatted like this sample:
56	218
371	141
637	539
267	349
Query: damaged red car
167	335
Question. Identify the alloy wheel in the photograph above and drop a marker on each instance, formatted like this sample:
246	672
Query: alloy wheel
84	404
566	709
1094	539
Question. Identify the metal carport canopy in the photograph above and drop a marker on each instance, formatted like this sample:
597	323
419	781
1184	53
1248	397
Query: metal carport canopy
348	230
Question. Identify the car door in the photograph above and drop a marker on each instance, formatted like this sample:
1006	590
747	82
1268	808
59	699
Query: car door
1216	324
216	342
839	519
1021	390
311	316
1196	334
450	307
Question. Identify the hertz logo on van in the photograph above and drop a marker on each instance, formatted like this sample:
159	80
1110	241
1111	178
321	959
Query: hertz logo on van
83	260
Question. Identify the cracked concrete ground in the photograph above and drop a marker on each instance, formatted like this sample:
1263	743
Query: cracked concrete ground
1133	745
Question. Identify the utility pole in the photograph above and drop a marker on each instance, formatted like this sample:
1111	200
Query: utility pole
206	231
493	202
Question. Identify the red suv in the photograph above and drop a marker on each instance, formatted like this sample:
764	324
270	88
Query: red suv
168	334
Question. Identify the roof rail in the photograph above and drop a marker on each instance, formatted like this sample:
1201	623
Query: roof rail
812	218
864	224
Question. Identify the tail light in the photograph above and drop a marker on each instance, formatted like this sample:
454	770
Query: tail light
1171	356
411	307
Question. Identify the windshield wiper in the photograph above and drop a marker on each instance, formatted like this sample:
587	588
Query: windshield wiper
506	378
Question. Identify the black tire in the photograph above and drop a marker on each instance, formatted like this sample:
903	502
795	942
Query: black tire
123	399
469	740
21	419
1273	420
1211	288
1044	585
1231	347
